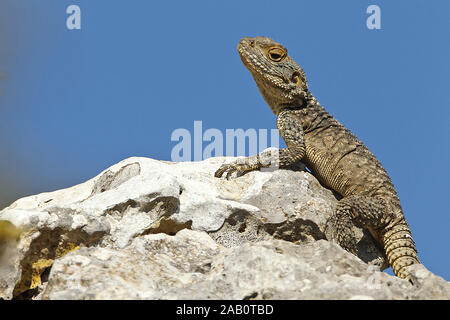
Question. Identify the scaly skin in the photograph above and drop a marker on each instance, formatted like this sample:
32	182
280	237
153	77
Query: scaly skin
333	154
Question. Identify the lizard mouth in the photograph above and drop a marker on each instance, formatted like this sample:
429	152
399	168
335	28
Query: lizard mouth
248	57
243	53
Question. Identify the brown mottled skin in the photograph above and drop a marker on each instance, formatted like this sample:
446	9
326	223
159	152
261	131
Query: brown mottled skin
333	154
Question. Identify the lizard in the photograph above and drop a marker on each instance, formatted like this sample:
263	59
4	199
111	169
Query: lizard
333	154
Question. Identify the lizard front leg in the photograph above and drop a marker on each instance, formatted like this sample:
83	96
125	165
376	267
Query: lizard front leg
291	131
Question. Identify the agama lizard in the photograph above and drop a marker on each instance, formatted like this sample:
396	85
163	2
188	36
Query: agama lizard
336	157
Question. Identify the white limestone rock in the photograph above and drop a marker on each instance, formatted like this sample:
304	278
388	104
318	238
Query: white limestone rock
97	239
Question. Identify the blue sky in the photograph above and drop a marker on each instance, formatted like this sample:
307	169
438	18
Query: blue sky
74	102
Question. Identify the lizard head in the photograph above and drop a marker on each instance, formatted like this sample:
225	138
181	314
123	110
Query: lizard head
280	79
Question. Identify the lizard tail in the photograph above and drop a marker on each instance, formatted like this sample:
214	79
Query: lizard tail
400	247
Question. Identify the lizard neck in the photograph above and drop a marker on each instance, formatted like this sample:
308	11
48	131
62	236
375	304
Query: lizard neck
311	114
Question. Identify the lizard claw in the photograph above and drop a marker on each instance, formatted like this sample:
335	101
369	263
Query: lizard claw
219	172
230	172
231	168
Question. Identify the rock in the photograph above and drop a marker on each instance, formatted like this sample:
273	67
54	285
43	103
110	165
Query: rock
190	265
148	229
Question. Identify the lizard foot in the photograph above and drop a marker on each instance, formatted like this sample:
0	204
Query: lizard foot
230	168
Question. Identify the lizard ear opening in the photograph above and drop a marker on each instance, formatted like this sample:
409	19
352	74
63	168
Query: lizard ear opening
297	79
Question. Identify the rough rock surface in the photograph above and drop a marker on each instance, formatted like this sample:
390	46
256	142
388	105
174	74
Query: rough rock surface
148	229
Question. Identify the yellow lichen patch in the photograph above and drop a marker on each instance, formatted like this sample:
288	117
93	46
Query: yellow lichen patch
36	264
68	247
36	270
9	234
8	231
40	265
44	247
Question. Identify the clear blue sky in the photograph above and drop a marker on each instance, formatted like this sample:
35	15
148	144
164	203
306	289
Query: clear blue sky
73	103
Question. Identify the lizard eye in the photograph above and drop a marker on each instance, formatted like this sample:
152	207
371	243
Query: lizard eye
276	54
